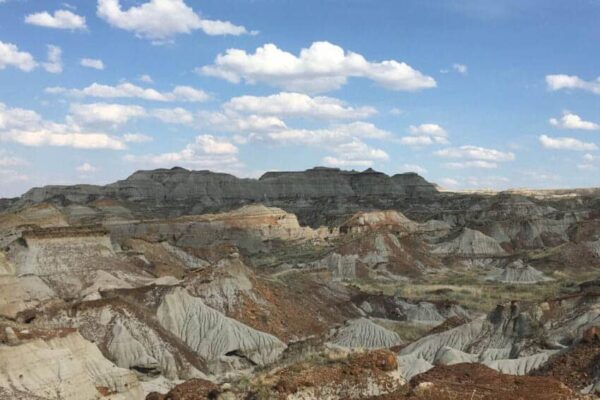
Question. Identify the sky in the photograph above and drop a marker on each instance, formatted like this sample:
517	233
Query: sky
471	94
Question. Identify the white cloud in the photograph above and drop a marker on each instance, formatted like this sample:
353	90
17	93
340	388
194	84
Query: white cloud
413	168
206	151
189	94
63	138
234	122
566	143
424	135
396	111
129	90
561	81
461	68
104	113
92	63
174	115
332	136
146	78
321	67
475	153
119	114
589	157
61	19
298	105
161	20
572	121
355	153
86	168
17	118
472	164
10	56
136	138
27	128
54	64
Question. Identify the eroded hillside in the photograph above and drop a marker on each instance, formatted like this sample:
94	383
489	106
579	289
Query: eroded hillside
174	284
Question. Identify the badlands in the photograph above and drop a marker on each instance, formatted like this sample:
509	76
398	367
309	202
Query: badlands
322	284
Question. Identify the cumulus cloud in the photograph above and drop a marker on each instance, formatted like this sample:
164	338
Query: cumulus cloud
298	105
29	129
104	113
425	135
92	63
566	143
11	56
54	64
234	122
63	137
472	164
572	121
17	118
129	90
161	20
321	67
176	115
476	153
61	19
119	114
206	152
355	153
561	81
86	168
136	138
332	136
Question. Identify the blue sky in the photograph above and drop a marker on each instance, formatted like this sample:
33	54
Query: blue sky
469	93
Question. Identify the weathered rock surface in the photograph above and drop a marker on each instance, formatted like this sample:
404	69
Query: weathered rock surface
518	272
363	333
64	366
215	337
177	191
469	242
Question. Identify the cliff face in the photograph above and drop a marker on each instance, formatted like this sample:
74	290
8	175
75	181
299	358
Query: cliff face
177	191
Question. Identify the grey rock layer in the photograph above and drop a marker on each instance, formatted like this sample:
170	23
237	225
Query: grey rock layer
177	191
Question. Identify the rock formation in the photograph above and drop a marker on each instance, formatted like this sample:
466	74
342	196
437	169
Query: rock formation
194	283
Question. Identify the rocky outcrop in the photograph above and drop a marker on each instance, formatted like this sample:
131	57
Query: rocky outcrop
177	191
399	309
73	262
268	223
363	333
64	366
518	272
129	336
391	221
215	337
469	243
